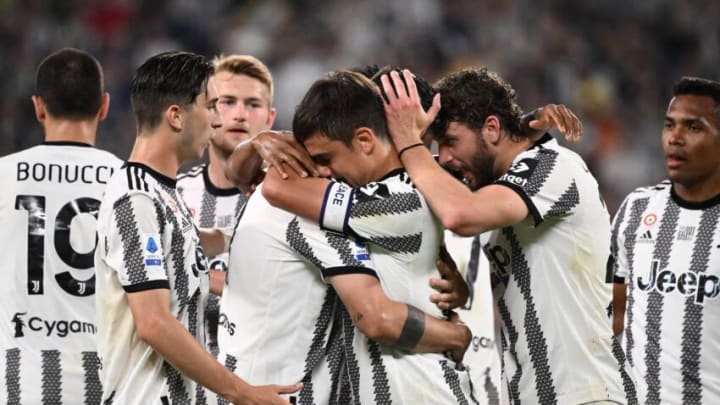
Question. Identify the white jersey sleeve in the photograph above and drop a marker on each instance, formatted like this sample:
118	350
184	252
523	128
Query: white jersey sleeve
387	213
545	192
134	244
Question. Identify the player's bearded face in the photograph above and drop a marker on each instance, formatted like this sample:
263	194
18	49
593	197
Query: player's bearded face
481	166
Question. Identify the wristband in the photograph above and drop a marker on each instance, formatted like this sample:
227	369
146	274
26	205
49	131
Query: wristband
403	150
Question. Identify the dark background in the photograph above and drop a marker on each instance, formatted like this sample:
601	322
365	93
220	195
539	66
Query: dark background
613	62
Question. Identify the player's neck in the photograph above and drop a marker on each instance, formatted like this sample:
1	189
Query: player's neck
156	151
507	152
700	192
386	164
216	169
70	131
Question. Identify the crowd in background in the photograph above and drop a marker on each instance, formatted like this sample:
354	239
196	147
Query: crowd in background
613	62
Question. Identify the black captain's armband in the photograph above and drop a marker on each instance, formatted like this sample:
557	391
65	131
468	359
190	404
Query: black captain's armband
412	330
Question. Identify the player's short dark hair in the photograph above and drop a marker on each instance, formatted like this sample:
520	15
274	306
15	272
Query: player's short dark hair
471	95
368	70
336	105
70	83
424	88
166	79
697	86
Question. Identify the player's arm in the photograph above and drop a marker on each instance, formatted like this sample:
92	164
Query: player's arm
214	241
301	196
157	327
619	305
395	323
278	148
537	122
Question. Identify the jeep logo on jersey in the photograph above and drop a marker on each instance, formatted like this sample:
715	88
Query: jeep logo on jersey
59	328
224	322
702	285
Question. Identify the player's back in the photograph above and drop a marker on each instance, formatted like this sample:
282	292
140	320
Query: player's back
276	311
48	210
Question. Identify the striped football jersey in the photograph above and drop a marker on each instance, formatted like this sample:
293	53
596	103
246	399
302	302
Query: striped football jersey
48	209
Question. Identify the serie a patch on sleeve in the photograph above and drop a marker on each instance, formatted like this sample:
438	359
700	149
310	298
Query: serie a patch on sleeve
362	254
152	250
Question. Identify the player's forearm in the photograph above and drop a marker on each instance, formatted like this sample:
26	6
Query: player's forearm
618	307
448	198
408	328
243	166
301	196
168	337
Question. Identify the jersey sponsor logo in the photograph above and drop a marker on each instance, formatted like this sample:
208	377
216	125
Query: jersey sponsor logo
520	172
60	328
483	342
688	283
68	173
224	322
649	219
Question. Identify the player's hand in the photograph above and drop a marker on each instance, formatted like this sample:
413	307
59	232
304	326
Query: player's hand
452	289
560	117
406	118
457	354
278	147
268	394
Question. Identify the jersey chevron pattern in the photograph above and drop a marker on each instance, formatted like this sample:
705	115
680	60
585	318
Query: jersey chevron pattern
548	279
48	208
668	252
211	207
147	241
279	321
404	239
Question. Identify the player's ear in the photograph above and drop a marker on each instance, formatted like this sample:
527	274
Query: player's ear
272	113
174	117
104	106
491	129
364	139
40	113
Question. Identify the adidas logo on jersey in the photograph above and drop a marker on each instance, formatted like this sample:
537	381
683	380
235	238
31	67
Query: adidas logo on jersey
688	283
645	237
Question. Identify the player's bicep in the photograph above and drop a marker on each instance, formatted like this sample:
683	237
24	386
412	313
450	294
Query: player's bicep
134	245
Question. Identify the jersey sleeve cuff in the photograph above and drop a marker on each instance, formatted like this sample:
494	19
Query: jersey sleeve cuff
532	209
335	271
147	285
336	207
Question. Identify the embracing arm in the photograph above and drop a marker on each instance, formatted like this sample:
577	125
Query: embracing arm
394	323
283	193
157	327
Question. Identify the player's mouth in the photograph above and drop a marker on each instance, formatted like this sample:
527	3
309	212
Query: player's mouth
674	160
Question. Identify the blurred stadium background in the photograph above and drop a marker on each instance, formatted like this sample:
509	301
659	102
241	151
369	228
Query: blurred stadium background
611	61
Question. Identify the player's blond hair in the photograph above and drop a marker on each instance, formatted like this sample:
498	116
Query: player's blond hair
245	65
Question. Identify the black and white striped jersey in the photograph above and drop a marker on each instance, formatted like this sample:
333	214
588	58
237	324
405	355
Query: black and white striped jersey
277	317
478	313
211	207
668	252
548	277
147	240
49	200
404	238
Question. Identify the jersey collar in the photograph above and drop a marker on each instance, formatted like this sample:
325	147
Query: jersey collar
67	143
213	189
694	205
161	178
